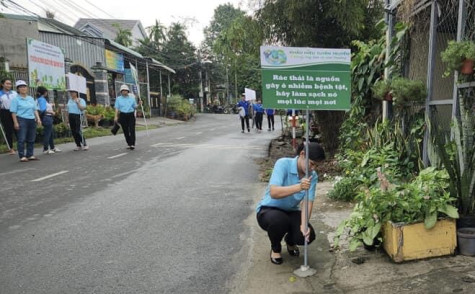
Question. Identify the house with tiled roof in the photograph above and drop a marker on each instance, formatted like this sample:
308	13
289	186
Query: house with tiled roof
108	28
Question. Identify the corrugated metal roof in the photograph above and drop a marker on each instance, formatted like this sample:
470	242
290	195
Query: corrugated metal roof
123	48
106	25
159	64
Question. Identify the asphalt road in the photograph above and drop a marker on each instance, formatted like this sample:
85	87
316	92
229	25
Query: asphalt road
168	217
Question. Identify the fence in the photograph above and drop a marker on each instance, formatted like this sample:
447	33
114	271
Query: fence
433	24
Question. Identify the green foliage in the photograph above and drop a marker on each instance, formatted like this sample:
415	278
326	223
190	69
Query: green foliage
95	109
381	89
179	53
109	113
456	53
180	107
238	46
424	198
327	24
406	91
457	155
385	145
344	188
124	36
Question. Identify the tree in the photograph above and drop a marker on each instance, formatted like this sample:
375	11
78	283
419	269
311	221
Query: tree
157	35
239	45
179	53
124	36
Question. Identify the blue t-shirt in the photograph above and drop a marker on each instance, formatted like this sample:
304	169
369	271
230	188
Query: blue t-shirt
270	111
42	104
245	105
286	173
24	107
73	107
6	98
258	107
125	104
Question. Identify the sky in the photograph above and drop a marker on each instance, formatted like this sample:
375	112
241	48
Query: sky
196	14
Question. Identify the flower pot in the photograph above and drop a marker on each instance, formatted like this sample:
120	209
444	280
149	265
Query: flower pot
467	67
405	242
466	241
388	97
466	221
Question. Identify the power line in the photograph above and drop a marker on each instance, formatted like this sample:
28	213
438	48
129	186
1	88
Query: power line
99	9
87	39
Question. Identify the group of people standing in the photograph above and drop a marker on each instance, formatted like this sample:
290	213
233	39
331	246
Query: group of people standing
245	112
21	114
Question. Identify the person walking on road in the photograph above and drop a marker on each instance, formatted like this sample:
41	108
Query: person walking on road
270	118
25	117
75	108
6	97
244	112
259	111
125	106
280	211
45	110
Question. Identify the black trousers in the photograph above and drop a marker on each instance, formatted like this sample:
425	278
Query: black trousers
279	223
7	124
127	121
270	120
245	118
75	125
259	117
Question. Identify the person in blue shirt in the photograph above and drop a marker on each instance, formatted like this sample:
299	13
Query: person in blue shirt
6	97
125	106
45	110
75	108
25	118
244	112
270	118
259	111
280	211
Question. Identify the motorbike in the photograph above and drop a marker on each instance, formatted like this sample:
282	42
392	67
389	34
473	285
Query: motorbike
231	109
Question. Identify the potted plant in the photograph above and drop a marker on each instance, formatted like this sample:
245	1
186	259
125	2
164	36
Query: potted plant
418	205
406	91
457	155
459	56
109	115
95	113
382	90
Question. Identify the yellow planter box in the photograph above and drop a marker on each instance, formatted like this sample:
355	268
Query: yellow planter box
408	242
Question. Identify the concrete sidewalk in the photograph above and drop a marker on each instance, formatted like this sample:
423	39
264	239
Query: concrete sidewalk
361	271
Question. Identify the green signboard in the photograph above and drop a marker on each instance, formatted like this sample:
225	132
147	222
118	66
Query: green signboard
305	78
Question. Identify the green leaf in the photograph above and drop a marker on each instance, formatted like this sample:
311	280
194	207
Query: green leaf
355	243
430	220
450	211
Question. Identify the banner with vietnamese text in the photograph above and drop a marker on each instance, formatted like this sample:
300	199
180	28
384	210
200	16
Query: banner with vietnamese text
45	65
301	78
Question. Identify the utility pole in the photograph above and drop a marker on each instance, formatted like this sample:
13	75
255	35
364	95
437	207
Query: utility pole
235	80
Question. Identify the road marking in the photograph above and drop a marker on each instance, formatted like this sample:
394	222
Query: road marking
179	138
50	176
206	146
115	156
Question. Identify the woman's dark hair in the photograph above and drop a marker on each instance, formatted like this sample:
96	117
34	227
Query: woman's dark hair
315	151
41	91
3	81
